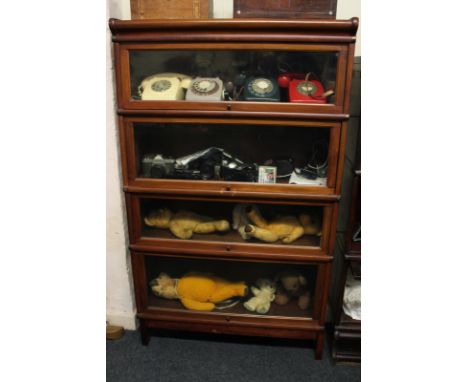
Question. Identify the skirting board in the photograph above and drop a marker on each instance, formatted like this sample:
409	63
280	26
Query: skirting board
127	320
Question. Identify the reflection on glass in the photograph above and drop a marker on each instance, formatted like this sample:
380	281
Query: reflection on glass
242	153
265	76
231	222
233	287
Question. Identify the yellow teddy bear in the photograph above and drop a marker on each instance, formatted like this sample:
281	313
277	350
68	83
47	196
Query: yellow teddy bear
184	224
197	291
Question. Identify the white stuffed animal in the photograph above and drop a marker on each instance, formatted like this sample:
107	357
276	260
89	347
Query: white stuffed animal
263	297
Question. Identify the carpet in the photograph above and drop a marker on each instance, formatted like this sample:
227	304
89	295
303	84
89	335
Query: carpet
188	357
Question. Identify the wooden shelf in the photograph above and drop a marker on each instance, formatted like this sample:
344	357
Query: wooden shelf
306	249
170	45
228	237
231	189
173	316
289	311
347	320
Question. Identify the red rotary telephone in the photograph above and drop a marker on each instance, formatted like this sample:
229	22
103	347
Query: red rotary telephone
303	90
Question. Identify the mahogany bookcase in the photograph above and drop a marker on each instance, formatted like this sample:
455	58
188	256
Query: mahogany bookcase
251	130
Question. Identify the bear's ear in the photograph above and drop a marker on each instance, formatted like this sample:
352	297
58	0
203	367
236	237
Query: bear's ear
302	280
277	278
163	275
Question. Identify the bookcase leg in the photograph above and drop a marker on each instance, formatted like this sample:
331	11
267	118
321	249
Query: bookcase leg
319	345
144	332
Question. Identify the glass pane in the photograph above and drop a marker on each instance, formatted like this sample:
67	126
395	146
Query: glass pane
244	153
216	75
194	278
230	222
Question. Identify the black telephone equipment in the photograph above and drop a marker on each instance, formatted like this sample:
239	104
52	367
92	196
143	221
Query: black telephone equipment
256	88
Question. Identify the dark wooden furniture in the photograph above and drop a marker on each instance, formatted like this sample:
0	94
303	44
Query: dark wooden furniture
169	9
313	9
254	131
347	332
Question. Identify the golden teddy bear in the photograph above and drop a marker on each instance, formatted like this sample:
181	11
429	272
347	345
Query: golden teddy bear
292	284
184	224
197	291
248	220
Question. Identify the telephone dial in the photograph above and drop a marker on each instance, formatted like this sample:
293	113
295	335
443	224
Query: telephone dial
164	87
205	89
302	89
258	88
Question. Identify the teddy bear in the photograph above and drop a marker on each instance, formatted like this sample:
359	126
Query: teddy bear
197	291
263	296
249	222
292	284
184	224
240	219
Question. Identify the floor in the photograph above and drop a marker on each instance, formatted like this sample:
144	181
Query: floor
170	357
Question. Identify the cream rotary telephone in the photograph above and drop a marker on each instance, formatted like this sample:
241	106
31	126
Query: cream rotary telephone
164	87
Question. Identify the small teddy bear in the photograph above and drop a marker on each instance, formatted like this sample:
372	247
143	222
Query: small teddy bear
292	284
184	224
263	296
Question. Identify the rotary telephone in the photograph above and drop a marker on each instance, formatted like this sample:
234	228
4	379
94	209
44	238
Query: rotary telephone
164	87
257	88
302	89
205	89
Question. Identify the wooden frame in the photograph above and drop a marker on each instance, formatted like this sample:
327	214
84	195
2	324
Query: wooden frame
286	326
234	247
347	331
318	9
221	188
125	100
337	36
179	9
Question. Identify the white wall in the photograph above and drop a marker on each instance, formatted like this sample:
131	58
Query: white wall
120	303
345	9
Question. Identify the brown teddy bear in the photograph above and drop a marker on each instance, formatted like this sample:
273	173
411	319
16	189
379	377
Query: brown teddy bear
184	224
249	222
292	284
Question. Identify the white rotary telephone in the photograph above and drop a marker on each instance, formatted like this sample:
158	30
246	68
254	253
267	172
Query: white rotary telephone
205	89
164	87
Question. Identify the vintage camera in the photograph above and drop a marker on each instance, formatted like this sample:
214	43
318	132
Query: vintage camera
240	173
212	163
207	162
156	166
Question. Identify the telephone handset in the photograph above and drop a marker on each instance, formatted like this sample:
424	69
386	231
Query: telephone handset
164	87
302	89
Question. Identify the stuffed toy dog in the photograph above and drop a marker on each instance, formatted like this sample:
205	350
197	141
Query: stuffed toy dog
184	224
263	296
249	222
